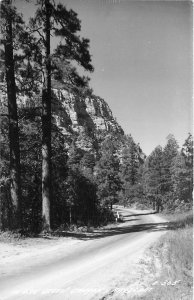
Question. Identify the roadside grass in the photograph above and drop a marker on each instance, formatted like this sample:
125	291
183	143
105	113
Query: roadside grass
173	256
10	237
178	221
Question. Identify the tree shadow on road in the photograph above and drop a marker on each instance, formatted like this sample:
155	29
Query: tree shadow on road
116	230
129	229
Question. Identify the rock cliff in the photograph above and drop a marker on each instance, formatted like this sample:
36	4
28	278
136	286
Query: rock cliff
90	114
84	120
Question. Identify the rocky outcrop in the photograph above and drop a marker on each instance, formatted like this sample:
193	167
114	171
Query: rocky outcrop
83	119
83	116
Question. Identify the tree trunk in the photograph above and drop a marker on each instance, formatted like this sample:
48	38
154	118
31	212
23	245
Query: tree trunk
70	216
15	188
46	129
153	204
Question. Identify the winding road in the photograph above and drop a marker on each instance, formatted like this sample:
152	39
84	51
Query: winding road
88	270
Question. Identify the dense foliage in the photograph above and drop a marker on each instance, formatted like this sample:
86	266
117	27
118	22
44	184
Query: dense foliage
167	176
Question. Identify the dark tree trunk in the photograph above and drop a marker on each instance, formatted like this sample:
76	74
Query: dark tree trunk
70	216
153	204
15	189
46	129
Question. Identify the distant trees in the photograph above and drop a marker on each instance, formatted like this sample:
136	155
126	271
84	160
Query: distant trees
169	153
167	176
130	172
153	178
107	173
182	175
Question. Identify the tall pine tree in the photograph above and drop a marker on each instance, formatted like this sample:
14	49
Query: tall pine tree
55	20
10	23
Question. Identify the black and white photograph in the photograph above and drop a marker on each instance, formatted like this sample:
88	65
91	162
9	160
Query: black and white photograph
96	141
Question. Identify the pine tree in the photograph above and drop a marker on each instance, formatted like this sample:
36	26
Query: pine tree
178	177
129	171
87	165
107	174
24	84
51	19
167	176
9	18
182	176
153	178
169	153
187	151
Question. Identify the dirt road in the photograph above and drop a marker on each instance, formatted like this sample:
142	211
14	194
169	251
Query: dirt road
87	269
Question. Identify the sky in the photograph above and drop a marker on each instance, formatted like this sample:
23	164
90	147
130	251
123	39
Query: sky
142	55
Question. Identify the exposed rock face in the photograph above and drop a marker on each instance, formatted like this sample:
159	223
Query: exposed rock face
86	121
75	116
83	116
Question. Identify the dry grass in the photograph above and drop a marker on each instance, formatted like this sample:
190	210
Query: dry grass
178	221
10	237
174	251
